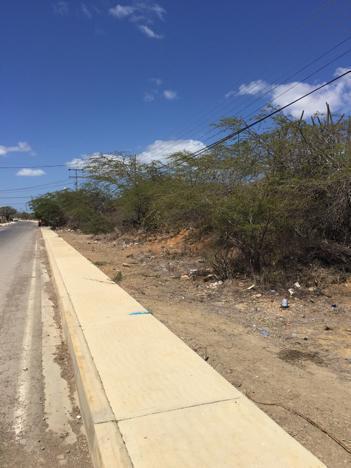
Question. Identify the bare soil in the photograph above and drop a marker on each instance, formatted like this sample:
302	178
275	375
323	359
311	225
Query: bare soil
294	363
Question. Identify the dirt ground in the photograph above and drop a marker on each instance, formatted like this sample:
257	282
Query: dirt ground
294	363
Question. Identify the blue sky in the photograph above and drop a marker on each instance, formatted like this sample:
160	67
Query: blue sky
147	77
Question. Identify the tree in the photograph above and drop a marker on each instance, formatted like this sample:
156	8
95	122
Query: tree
7	212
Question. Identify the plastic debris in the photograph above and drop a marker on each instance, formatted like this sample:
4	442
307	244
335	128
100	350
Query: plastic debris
215	285
285	303
297	285
291	291
264	332
251	287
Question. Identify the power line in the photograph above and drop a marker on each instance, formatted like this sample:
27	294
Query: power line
276	82
286	90
33	167
262	119
185	131
19	189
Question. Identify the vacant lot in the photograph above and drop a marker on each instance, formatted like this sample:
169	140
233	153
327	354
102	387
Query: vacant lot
294	363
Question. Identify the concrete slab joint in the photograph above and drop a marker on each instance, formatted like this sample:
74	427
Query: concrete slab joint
147	400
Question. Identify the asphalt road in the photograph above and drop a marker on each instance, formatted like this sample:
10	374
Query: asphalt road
40	423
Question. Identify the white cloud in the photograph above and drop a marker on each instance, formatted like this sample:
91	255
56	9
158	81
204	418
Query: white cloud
149	97
121	11
169	94
337	95
86	160
158	10
149	32
61	8
142	14
25	172
159	150
86	11
156	81
21	147
255	87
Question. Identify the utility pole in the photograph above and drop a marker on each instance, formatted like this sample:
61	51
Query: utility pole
75	177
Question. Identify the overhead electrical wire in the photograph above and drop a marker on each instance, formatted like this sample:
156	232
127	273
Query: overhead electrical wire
262	119
286	91
19	189
275	86
180	134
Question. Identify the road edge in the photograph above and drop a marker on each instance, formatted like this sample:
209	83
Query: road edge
106	445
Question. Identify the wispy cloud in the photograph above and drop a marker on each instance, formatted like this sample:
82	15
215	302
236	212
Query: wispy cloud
169	94
159	150
122	11
26	172
21	147
156	81
61	8
157	93
149	97
142	14
337	95
149	32
86	11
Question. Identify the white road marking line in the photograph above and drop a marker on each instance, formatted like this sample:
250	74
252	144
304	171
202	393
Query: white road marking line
23	384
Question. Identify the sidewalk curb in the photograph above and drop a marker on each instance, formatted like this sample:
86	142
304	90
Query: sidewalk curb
106	444
163	408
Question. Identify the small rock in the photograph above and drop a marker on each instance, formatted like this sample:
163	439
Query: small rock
305	338
25	369
126	265
327	328
78	417
43	448
256	296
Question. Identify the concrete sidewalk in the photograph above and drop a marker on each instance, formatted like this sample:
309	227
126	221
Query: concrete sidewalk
147	399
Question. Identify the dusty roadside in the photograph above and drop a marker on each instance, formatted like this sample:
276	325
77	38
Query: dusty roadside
294	363
40	423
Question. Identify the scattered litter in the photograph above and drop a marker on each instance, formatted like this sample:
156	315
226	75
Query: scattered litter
209	277
215	285
256	296
185	277
297	285
291	291
334	306
78	416
285	303
264	331
251	287
145	312
311	289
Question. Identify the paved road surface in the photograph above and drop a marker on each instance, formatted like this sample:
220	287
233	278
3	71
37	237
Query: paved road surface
40	423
